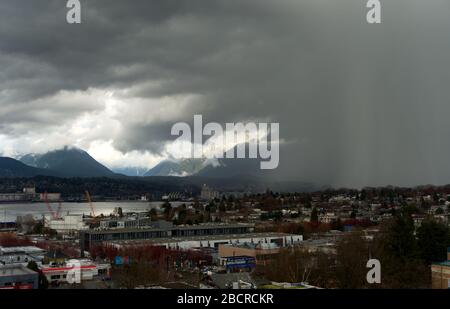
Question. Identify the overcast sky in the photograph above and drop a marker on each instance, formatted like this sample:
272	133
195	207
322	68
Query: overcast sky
357	104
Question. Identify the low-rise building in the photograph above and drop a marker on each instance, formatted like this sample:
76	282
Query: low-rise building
50	197
124	223
238	263
440	274
15	197
21	255
18	277
208	193
76	271
262	253
211	241
68	224
328	217
158	231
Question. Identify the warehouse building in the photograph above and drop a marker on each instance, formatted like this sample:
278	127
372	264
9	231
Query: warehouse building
21	255
69	224
27	195
98	236
213	241
125	223
18	277
261	253
440	274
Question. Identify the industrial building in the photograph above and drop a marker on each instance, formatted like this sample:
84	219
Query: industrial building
76	271
97	236
8	226
212	241
238	263
21	255
208	193
15	197
50	197
124	223
247	254
18	277
440	274
261	253
27	195
67	224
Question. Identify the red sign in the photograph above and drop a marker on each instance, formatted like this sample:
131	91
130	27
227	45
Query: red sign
18	287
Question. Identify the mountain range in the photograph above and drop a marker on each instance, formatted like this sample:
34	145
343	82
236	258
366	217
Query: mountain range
68	162
10	167
224	174
180	168
130	171
75	162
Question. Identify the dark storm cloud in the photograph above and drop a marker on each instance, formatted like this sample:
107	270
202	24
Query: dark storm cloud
357	104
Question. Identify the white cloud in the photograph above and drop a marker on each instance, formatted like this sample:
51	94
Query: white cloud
104	152
102	117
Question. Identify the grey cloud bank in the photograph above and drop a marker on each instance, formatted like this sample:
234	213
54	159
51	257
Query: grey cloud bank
357	104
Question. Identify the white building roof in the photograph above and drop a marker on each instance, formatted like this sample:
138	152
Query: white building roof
21	249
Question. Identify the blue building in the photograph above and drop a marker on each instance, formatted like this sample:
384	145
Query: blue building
18	277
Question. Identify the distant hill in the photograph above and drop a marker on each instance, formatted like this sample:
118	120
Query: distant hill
228	168
221	174
69	162
131	171
235	167
13	168
184	167
210	168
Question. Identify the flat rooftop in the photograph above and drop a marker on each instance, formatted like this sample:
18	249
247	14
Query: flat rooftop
253	246
198	238
21	249
172	228
15	270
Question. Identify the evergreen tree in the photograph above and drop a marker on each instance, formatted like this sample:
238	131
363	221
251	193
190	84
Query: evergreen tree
433	240
396	248
439	211
167	209
43	282
401	241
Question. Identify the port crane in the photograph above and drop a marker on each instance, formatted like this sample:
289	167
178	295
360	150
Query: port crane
94	219
88	196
